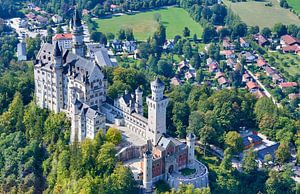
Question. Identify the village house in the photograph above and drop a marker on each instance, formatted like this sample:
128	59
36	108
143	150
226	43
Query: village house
277	78
190	74
269	71
261	40
231	62
294	96
289	44
288	40
250	58
261	63
223	82
244	43
175	81
168	45
64	40
228	54
219	74
252	86
129	46
285	85
246	78
227	44
183	66
57	19
117	45
213	67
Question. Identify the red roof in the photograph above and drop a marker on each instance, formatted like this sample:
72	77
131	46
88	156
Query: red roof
222	80
227	52
251	85
261	62
290	40
269	70
62	36
288	84
292	48
219	74
242	40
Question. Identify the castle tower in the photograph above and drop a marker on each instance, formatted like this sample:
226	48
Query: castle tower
57	56
77	38
73	113
190	141
147	169
139	101
58	75
157	107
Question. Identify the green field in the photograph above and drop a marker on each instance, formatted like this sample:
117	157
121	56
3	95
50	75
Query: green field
289	62
256	13
295	4
144	23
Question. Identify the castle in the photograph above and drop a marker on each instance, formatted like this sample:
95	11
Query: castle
65	81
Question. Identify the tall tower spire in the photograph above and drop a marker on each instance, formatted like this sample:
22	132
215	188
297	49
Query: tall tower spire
57	55
157	108
77	32
147	169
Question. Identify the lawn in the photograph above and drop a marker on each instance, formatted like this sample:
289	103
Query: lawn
144	23
256	13
289	62
295	4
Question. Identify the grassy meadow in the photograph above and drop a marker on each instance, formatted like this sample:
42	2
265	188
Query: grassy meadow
144	23
256	13
295	4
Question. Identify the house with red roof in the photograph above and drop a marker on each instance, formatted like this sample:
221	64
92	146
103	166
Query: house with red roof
244	43
228	54
227	44
64	40
288	40
289	44
219	74
269	70
223	82
294	96
261	62
261	40
213	67
246	78
277	78
284	85
252	86
176	81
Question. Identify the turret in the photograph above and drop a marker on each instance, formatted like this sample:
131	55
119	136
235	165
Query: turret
147	169
139	101
157	108
190	141
77	32
57	55
157	88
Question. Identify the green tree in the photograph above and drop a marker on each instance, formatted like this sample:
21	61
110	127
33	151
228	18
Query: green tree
282	154
186	32
113	135
249	164
279	29
266	32
280	182
234	141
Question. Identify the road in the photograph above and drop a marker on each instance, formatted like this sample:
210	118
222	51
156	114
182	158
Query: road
261	85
